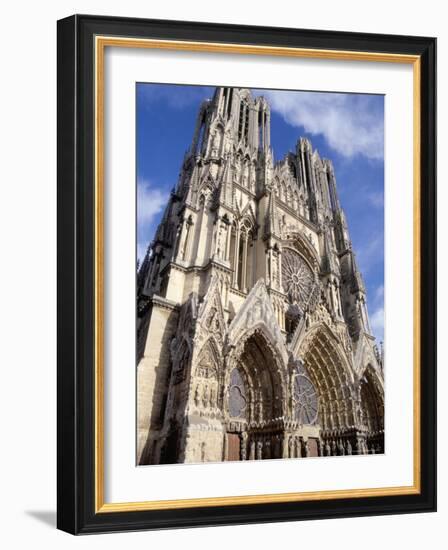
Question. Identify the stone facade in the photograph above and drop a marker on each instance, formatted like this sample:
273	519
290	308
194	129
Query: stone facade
253	332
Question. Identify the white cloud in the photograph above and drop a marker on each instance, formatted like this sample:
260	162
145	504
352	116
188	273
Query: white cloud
351	124
368	255
379	294
377	317
376	199
141	250
377	323
150	203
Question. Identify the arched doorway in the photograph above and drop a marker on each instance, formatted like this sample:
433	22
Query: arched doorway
254	403
333	379
372	411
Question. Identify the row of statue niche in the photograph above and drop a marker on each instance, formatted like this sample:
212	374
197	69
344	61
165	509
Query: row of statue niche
271	446
341	447
205	396
338	447
263	447
247	175
298	447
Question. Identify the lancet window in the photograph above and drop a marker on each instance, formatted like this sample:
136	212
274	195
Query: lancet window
241	255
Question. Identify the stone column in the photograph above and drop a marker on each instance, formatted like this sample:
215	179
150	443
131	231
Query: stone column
155	269
279	260
268	266
189	240
244	265
252	449
226	103
243	448
259	449
229	240
366	316
267	126
181	242
262	120
290	447
243	128
236	262
220	240
220	101
177	241
224	449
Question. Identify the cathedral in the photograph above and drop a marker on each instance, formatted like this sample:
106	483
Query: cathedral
253	335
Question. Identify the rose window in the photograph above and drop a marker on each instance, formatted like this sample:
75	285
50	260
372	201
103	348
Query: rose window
297	278
237	395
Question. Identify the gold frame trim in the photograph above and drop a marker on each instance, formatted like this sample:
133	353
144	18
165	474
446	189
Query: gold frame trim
101	42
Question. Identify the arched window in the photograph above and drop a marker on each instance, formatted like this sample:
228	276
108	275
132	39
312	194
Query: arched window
294	171
372	411
237	395
245	173
241	260
186	243
232	251
242	256
277	188
261	118
241	121
283	192
229	102
246	123
295	201
218	141
199	145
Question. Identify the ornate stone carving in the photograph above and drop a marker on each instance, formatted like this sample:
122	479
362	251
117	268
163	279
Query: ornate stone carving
210	317
237	395
297	278
305	400
257	311
320	315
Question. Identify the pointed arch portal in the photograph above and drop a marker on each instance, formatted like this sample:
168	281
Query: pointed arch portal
350	413
255	404
372	411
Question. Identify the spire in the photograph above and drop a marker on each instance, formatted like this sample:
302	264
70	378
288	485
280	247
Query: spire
143	269
193	185
334	198
271	224
357	280
221	193
163	230
329	263
343	241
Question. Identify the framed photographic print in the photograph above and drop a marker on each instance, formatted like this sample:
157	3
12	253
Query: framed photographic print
246	274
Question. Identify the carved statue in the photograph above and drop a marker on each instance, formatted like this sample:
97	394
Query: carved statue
348	447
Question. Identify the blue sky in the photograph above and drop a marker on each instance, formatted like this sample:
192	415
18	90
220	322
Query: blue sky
346	128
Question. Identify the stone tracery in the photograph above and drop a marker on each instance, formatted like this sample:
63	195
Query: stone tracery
297	278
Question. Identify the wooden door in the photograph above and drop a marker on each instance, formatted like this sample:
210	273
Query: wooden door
233	447
313	449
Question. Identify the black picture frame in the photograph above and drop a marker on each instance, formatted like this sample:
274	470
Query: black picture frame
76	510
